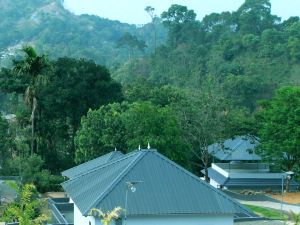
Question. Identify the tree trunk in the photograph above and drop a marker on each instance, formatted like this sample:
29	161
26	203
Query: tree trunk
32	136
34	104
155	36
206	174
287	184
206	166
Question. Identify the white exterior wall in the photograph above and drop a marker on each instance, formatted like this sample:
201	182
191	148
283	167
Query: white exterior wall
79	219
182	220
214	183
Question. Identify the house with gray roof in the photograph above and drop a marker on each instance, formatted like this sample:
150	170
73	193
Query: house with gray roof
239	167
150	188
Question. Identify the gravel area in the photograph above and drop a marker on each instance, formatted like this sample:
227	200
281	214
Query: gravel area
291	197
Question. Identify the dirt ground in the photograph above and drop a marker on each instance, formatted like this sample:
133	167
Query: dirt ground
292	198
55	195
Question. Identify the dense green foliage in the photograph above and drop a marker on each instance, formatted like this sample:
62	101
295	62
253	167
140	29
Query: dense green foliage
65	89
280	131
101	131
202	85
27	210
32	171
249	52
127	126
5	141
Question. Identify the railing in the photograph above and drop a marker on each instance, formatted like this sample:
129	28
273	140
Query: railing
244	166
256	175
246	170
56	213
10	177
60	200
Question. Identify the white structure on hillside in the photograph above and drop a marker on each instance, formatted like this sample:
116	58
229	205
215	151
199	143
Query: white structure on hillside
239	167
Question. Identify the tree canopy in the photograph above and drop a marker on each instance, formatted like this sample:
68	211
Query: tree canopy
279	130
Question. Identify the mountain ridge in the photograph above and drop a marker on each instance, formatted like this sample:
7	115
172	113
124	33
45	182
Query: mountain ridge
54	30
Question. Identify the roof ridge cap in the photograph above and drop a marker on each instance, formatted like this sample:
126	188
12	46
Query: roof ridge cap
111	155
101	166
118	178
198	179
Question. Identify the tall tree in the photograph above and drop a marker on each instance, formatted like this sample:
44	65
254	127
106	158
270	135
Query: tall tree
32	69
203	117
148	123
280	127
101	131
150	10
254	16
74	87
181	24
131	42
126	126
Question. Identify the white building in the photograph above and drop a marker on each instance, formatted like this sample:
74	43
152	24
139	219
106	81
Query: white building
150	189
239	167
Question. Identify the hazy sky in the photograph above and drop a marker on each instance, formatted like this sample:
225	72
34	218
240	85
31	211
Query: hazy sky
132	11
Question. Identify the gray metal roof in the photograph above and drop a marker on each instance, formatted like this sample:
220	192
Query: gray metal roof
241	148
90	165
166	188
249	183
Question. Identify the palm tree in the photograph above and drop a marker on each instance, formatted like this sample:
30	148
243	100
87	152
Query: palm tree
31	68
106	218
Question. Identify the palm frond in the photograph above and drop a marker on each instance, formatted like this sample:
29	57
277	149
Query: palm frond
106	217
29	51
295	218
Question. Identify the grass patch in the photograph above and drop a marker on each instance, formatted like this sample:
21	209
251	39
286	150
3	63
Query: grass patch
267	212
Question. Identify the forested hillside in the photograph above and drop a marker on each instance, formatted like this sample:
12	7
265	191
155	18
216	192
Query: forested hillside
249	52
233	73
53	30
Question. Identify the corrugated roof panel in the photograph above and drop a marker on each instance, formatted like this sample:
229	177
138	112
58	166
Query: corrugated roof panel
167	189
87	188
92	164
